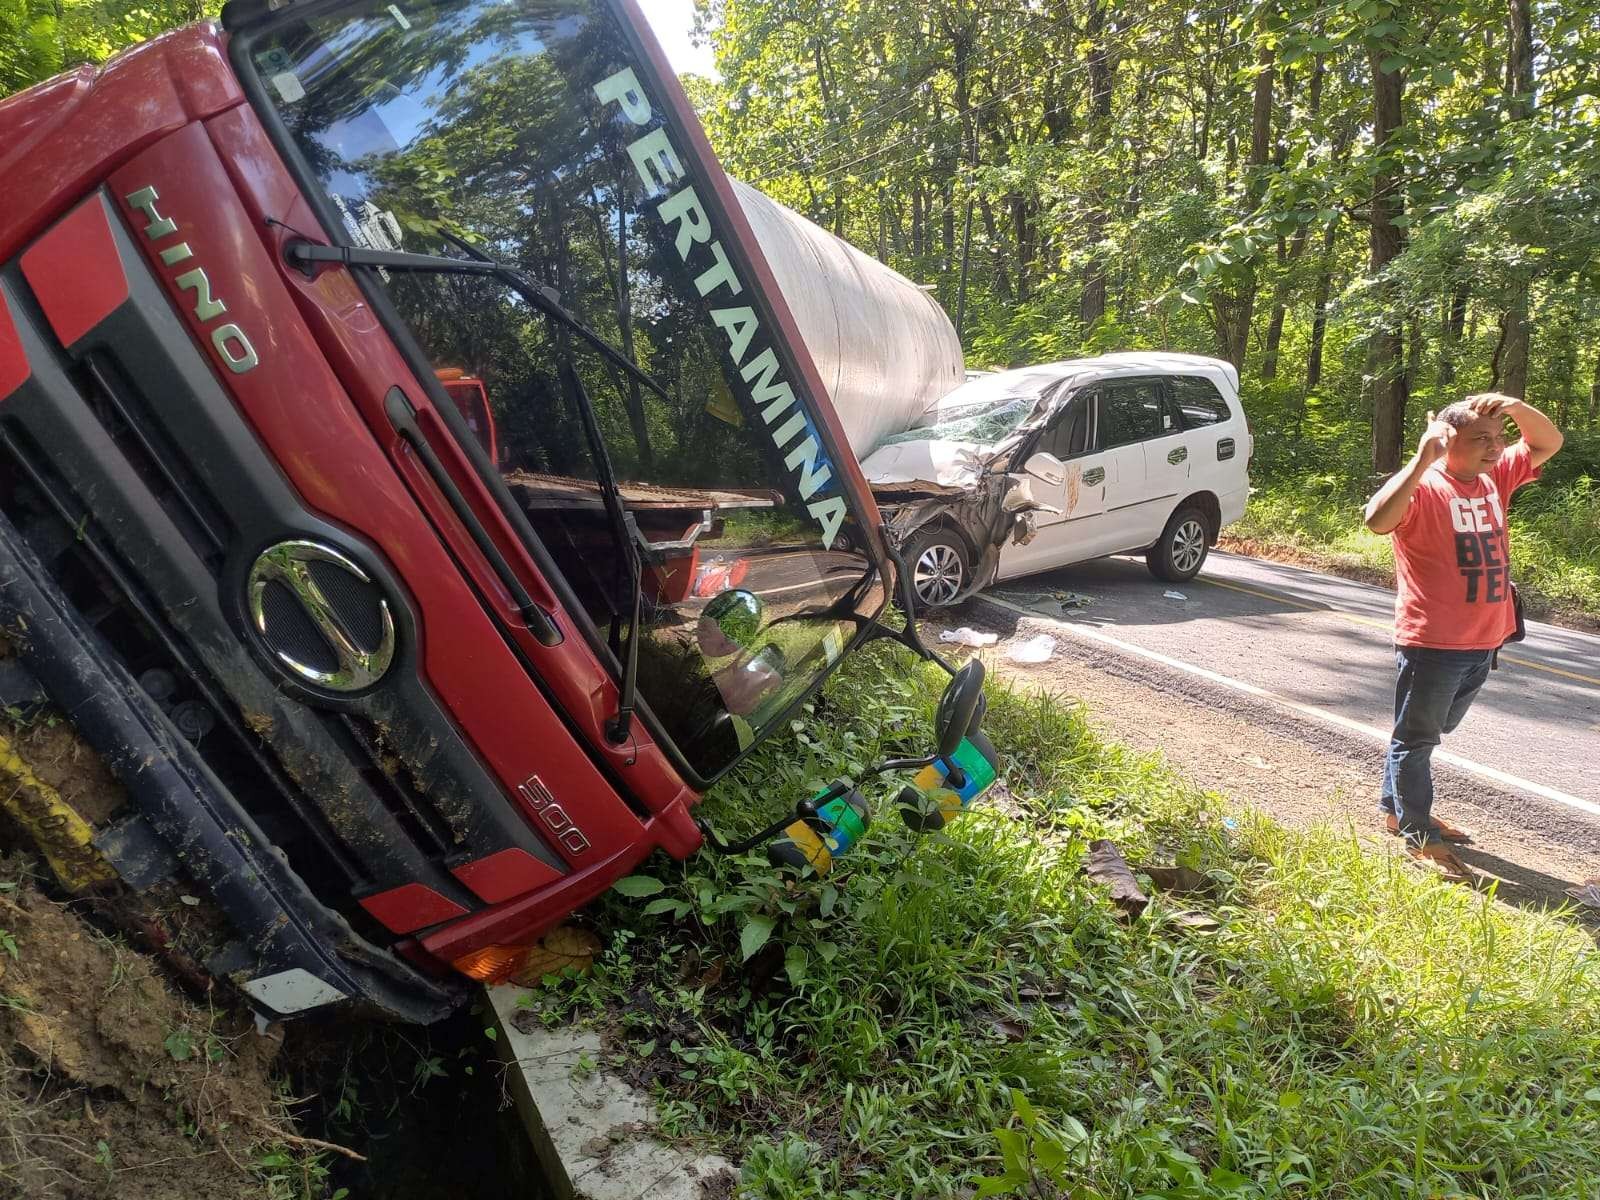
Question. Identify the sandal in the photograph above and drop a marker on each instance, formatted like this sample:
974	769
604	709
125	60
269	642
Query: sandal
1441	857
1440	829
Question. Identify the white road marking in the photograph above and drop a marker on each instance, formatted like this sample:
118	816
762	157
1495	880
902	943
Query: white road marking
1310	710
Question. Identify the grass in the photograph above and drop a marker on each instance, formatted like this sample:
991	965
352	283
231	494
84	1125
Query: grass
1555	538
966	1011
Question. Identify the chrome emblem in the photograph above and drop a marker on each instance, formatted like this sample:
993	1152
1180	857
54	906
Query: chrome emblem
289	564
230	342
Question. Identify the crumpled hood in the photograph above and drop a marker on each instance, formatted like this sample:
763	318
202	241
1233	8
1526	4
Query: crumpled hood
934	462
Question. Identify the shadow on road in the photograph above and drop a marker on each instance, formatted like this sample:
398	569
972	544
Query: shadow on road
1526	888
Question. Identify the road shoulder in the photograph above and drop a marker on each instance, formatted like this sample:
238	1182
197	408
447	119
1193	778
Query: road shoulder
1300	770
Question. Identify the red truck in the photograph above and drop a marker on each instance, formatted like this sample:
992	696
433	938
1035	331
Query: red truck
398	701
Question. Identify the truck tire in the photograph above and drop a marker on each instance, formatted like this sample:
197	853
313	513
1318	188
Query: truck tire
940	566
1181	550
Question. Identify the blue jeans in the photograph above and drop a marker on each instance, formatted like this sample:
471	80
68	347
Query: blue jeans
1432	695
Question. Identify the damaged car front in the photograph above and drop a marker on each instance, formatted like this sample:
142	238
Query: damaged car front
953	491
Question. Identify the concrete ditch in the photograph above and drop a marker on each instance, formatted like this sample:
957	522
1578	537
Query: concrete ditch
594	1134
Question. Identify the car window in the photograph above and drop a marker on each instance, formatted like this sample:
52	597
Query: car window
1171	417
1130	411
1069	436
1198	400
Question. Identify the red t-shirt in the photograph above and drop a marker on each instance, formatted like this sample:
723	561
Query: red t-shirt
1452	558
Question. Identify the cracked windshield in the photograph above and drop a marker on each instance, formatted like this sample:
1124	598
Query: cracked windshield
525	131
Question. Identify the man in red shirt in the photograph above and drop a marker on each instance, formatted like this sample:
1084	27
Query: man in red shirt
1447	511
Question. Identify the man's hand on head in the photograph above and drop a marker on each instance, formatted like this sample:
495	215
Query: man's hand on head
1494	406
1436	439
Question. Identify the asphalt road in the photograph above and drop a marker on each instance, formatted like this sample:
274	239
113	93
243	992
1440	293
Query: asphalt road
1320	647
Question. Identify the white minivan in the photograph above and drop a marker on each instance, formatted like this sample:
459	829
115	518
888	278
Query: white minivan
1031	469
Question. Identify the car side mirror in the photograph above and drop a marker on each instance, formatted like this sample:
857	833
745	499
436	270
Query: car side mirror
1046	468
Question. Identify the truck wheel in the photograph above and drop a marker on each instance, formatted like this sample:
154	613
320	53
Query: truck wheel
1181	550
939	564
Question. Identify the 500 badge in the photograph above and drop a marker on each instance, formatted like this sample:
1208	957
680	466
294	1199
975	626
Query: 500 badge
543	805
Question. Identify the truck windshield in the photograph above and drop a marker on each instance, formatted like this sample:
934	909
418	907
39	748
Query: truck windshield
531	130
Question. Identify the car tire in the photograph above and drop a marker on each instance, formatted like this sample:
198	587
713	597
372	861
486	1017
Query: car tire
1182	548
940	566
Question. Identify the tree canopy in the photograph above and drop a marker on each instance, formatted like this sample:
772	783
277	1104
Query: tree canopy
1368	207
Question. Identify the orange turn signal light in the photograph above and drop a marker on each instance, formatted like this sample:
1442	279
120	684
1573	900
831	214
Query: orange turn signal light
491	964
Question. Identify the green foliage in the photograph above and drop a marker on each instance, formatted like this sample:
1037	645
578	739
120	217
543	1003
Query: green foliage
30	43
39	39
1353	1028
885	122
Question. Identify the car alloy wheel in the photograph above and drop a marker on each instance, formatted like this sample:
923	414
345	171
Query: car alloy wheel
938	575
1188	545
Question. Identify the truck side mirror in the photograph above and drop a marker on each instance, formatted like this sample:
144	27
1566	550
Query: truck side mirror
1046	468
959	707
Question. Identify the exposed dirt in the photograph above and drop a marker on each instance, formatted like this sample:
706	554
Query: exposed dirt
59	758
1301	772
111	1082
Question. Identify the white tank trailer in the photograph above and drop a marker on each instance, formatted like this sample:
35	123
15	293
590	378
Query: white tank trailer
885	349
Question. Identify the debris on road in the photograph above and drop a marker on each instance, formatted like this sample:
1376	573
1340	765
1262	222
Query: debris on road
1172	595
967	636
1033	650
1054	603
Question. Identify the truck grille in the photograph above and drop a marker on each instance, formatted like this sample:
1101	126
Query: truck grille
135	480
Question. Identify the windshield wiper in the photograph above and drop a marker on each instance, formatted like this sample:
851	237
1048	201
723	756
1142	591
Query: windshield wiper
305	254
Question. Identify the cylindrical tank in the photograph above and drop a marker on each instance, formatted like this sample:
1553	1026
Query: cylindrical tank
883	346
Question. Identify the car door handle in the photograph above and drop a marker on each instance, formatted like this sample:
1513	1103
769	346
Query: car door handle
1177	455
1225	449
1094	476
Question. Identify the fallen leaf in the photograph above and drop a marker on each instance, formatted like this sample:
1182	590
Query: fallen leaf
1180	881
1011	1031
1586	893
596	1147
1199	922
1106	865
566	946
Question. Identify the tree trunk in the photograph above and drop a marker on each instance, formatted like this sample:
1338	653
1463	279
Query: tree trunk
1280	299
1297	247
1319	309
1455	320
1241	310
1385	242
1002	281
1022	230
1594	393
1092	301
1516	334
947	226
1517	330
1414	347
1566	373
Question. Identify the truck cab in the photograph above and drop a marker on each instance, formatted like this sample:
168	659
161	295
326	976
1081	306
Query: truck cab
398	693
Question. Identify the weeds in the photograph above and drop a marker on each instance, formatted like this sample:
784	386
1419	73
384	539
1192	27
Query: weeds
966	1007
